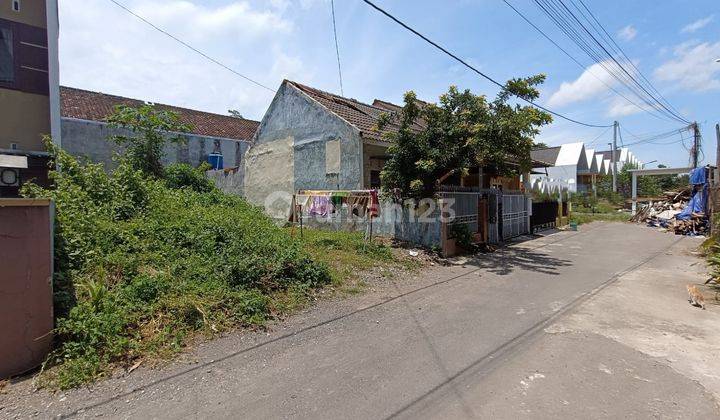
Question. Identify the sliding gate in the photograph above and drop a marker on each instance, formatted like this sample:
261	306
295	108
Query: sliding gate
494	214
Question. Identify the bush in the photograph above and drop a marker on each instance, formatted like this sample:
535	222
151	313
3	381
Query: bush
182	175
140	266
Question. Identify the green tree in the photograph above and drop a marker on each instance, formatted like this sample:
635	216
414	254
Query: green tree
235	113
463	130
151	128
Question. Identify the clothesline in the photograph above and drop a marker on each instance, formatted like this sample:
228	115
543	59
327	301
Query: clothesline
360	203
323	203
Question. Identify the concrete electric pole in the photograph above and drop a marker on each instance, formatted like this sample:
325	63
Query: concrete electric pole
696	145
717	153
613	157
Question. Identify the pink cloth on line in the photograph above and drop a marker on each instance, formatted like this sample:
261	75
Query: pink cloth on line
320	206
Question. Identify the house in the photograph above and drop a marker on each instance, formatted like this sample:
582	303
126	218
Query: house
622	156
575	168
310	139
570	168
29	98
85	131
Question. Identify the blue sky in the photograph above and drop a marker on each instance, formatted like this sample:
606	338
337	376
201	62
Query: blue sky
105	49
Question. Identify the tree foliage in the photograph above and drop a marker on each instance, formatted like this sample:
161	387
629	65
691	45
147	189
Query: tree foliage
151	128
461	131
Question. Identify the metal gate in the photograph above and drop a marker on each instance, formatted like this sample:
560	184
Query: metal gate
514	212
507	212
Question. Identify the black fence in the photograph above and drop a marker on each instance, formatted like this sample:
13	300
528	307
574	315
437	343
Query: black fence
544	215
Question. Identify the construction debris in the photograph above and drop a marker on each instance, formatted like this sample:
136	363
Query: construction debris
663	214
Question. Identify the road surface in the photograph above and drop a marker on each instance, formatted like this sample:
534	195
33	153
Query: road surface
523	332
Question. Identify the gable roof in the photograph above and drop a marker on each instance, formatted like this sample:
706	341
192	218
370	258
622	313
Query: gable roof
572	154
96	106
362	116
592	162
548	155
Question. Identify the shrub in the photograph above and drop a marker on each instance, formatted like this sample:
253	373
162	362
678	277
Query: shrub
140	265
182	175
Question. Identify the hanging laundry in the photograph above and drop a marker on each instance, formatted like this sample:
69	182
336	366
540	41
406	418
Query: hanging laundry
358	204
374	204
320	206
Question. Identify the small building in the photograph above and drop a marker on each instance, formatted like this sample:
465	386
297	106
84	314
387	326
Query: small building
315	140
570	170
29	99
86	133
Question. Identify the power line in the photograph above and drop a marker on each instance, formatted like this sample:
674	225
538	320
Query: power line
461	61
185	44
627	59
582	66
337	49
570	24
598	137
575	35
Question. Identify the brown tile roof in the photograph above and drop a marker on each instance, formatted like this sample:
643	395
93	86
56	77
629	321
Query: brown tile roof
546	155
362	116
95	106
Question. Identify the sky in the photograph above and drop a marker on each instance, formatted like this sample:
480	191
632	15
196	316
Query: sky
674	43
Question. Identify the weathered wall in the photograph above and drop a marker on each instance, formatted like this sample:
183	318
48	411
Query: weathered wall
269	173
395	221
289	151
228	181
90	139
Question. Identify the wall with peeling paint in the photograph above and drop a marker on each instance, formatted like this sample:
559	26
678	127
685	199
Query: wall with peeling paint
289	151
84	138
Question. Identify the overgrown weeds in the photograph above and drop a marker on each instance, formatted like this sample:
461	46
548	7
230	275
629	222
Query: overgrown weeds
141	264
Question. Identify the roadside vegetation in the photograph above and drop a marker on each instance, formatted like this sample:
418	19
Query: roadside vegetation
147	257
609	205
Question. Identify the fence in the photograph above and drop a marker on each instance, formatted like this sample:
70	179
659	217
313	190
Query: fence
495	215
544	215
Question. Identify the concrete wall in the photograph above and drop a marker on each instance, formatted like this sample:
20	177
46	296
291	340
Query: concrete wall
25	119
395	221
229	182
289	150
90	139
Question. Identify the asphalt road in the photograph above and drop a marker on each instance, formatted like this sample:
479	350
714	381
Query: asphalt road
456	342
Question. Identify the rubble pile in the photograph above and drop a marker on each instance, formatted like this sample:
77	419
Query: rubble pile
662	214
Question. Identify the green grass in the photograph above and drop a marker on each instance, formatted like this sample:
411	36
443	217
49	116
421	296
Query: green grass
602	206
347	255
581	218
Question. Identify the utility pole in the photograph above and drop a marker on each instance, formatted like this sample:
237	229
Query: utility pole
613	157
696	144
717	153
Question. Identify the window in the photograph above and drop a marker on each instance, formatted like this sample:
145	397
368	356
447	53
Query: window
7	65
13	146
16	5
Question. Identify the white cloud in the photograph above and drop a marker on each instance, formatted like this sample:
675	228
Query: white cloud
592	83
620	107
627	33
104	48
698	24
693	66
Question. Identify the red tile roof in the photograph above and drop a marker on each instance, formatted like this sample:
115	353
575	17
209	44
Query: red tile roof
362	116
95	106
